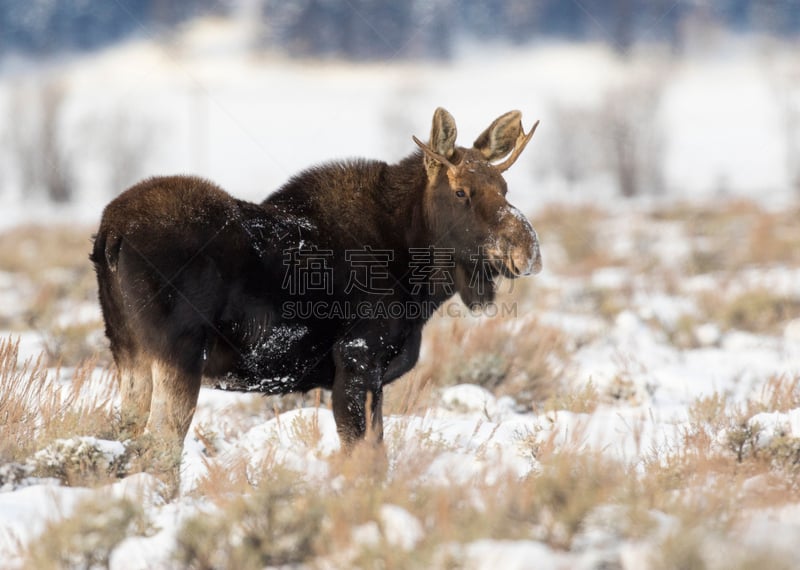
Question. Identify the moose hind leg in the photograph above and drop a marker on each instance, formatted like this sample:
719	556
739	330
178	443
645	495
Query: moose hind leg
135	389
174	399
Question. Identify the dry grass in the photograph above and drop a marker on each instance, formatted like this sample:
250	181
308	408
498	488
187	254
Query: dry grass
410	395
758	310
520	357
721	449
37	412
339	521
780	393
734	234
87	537
274	524
36	250
50	273
583	400
572	238
774	238
284	519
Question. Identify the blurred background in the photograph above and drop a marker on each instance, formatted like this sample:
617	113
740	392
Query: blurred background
648	100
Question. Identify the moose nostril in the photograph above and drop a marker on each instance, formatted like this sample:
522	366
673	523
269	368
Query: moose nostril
525	261
520	262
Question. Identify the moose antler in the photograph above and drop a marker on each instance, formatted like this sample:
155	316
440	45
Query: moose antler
434	155
519	146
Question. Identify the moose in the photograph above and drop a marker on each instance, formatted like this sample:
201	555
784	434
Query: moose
197	286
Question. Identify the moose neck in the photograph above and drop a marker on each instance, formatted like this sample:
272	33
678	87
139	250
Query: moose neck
362	203
406	183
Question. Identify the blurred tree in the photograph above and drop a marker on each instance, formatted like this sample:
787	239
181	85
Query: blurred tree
632	132
736	13
564	19
305	27
623	22
47	27
376	29
37	140
480	19
359	29
432	30
523	19
776	17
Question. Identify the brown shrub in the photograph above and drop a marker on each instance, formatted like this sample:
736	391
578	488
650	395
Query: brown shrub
51	266
521	357
576	232
36	409
88	536
758	310
730	235
277	524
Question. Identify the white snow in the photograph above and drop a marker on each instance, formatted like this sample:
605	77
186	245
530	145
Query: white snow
395	525
772	425
513	555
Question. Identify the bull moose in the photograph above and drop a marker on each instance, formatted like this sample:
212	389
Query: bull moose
195	284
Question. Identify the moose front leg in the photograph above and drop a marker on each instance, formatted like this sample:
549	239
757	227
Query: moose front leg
358	415
357	396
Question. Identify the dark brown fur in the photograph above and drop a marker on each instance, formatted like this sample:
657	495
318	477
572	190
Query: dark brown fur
193	281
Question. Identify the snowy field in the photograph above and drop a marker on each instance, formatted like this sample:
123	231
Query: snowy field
640	410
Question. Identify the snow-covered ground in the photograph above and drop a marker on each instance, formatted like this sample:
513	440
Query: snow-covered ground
471	436
248	121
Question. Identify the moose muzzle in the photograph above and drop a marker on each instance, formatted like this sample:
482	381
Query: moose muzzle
518	244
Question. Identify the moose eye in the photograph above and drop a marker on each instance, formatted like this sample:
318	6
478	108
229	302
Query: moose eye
461	194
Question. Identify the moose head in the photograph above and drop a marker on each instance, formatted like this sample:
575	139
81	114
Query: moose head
466	207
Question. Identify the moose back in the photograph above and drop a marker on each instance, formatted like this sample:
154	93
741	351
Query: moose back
327	283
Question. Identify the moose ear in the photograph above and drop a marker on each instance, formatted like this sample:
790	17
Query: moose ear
443	137
501	136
